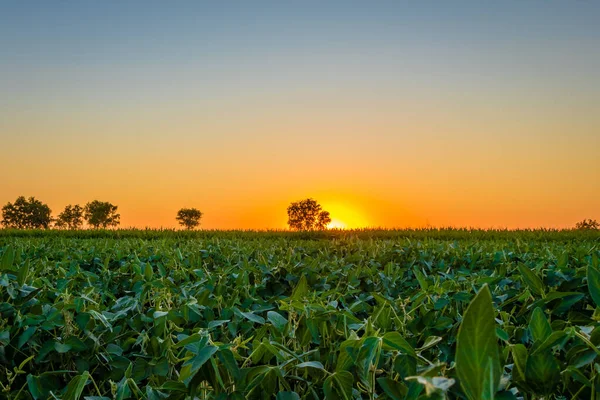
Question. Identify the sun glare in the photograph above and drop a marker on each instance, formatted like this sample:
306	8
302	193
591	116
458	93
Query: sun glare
344	216
336	224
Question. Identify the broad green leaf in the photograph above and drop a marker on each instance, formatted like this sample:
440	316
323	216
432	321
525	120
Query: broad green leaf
433	385
300	290
8	257
253	317
477	360
531	279
311	364
542	373
554	339
75	387
394	341
22	273
421	278
395	390
61	348
228	360
25	336
593	281
338	385
277	320
199	359
217	323
287	396
368	356
539	326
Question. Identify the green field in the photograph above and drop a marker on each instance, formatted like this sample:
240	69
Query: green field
365	314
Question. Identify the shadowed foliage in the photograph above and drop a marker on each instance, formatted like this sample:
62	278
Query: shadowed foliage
189	217
101	214
307	215
26	214
70	218
588	224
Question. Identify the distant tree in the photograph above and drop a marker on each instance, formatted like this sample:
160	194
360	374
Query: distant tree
307	215
101	214
70	218
189	217
588	224
26	214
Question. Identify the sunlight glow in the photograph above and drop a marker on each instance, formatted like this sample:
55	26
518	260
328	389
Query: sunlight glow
344	215
336	224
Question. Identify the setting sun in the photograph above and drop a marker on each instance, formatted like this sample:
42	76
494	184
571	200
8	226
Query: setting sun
345	216
336	224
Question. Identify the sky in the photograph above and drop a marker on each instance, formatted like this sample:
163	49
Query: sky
389	113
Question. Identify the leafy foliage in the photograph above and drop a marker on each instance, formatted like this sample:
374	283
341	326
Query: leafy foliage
101	214
189	217
70	218
26	214
588	224
306	215
228	316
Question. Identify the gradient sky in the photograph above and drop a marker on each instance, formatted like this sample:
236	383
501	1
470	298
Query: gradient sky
389	113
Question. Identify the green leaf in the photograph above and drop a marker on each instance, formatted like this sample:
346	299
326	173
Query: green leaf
35	387
395	390
25	336
61	348
554	339
75	387
539	326
22	273
199	359
435	384
593	281
217	323
311	364
394	341
531	279
7	259
477	360
277	320
300	290
253	317
368	356
287	396
421	278
542	373
228	360
338	384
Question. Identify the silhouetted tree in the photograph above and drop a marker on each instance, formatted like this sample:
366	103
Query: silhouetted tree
101	214
588	224
189	217
26	214
307	215
70	218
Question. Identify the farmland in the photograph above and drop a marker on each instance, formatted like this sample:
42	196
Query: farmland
365	314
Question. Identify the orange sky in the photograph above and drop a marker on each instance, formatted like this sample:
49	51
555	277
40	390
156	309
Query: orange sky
388	117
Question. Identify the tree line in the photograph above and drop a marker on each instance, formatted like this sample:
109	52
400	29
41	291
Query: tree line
31	213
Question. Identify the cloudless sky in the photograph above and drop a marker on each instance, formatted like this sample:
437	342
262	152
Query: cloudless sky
390	113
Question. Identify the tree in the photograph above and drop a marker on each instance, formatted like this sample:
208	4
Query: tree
588	224
189	217
101	214
26	214
307	215
70	218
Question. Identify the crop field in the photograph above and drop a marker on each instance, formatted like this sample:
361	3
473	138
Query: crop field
232	315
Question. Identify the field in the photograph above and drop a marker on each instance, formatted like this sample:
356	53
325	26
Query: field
365	314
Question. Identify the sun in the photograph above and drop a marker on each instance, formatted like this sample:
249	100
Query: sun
336	224
345	215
